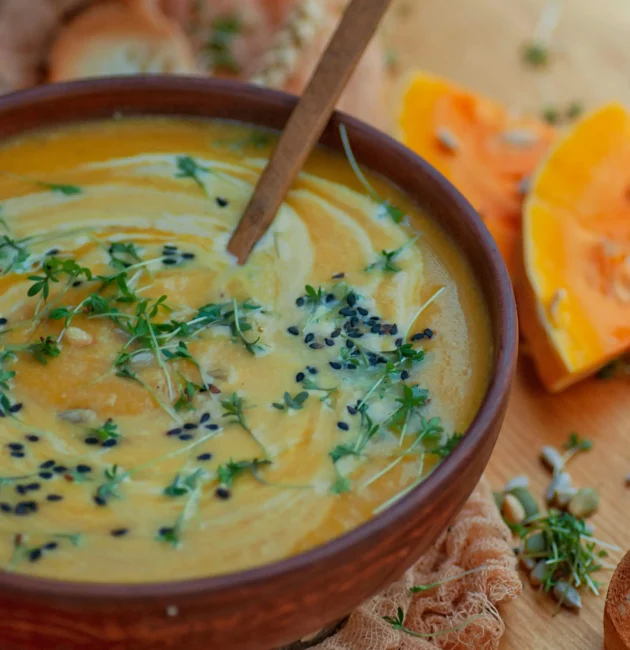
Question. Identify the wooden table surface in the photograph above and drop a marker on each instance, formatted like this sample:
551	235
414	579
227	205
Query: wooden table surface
478	43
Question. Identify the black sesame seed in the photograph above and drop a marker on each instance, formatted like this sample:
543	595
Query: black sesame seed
349	344
33	486
3	321
167	252
111	442
350	366
18	454
212	427
100	501
330	297
25	508
186	436
45	475
204	418
189	426
21	489
375	329
335	365
351	410
428	333
205	456
312	370
54	497
169	261
393	330
31	437
188	256
418	337
48	464
343	426
398	342
5	507
60	469
316	346
222	493
221	202
83	469
166	530
335	333
374	319
119	532
348	311
174	432
170	247
352	299
91	441
34	555
293	330
52	251
363	311
15	446
355	334
309	337
404	375
50	546
77	283
329	342
354	321
338	276
300	301
299	377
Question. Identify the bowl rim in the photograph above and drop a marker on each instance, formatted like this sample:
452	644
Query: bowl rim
501	370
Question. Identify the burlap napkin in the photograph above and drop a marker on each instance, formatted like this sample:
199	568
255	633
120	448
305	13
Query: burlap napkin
462	613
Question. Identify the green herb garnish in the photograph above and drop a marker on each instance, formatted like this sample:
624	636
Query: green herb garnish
296	402
536	54
53	270
108	431
387	258
234	410
188	167
123	255
182	485
227	472
219	45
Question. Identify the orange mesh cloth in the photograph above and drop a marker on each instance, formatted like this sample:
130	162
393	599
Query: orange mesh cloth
478	537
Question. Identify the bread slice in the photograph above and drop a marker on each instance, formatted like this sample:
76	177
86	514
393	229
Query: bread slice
115	39
617	610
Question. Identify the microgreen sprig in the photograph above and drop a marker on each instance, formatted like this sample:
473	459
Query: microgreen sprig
234	408
295	402
188	167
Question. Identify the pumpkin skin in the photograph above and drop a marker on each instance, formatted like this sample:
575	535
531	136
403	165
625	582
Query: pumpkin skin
484	151
574	301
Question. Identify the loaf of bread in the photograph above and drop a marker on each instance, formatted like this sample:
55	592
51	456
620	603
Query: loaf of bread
116	38
617	610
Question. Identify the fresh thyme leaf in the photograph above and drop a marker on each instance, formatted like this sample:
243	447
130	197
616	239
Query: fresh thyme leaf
228	472
296	402
536	54
54	268
386	209
576	444
122	255
108	431
67	190
314	297
342	451
186	396
13	254
182	485
43	350
188	167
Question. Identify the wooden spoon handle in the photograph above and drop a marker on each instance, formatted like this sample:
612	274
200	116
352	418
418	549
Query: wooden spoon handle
307	122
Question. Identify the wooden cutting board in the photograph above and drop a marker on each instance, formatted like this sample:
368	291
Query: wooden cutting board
479	43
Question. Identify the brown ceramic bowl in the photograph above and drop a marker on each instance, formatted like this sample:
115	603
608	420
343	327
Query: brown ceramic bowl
276	604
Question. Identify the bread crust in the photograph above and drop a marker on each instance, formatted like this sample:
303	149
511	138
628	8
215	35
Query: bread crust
116	38
617	610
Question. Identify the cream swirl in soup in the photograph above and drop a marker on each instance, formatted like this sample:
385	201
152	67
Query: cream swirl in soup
167	414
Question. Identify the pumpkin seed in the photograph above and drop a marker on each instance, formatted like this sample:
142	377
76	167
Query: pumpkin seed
77	416
567	595
584	503
536	543
561	481
520	137
537	574
527	501
552	458
517	482
447	138
513	511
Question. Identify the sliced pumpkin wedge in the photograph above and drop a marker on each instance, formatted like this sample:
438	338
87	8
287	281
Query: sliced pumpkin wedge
574	302
486	152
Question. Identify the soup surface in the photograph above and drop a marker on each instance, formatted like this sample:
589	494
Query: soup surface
167	414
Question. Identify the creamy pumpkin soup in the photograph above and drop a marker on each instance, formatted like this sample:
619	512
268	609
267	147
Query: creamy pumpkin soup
167	414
